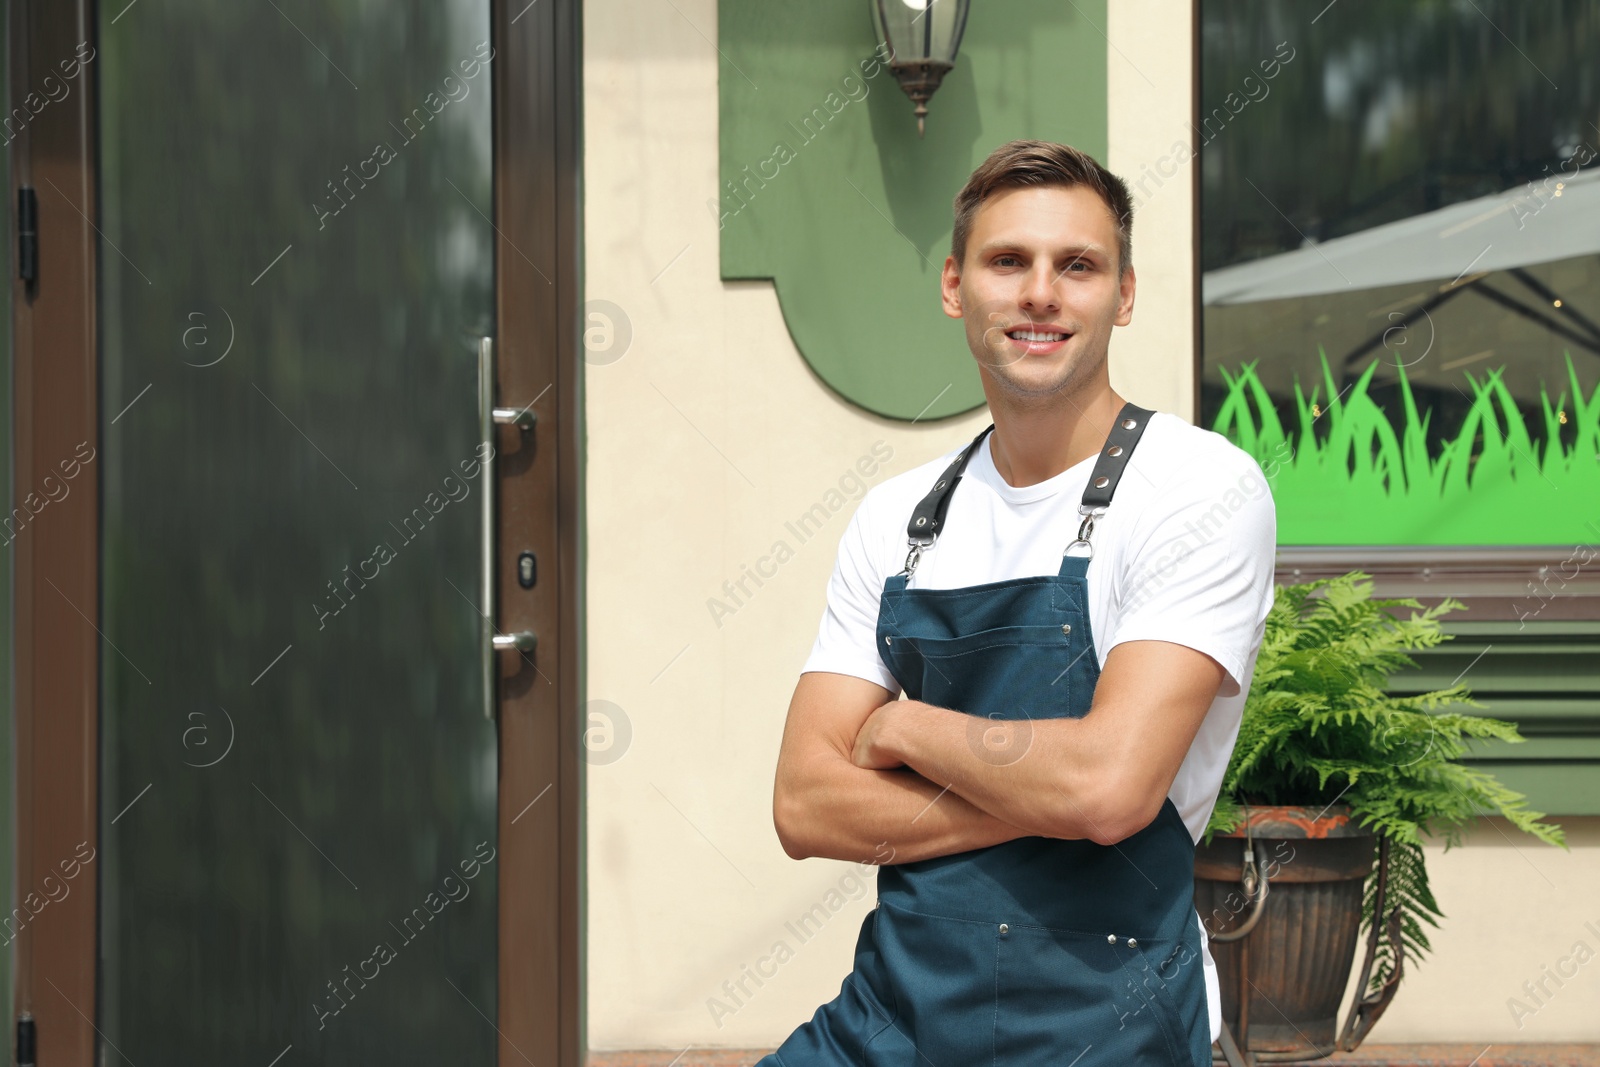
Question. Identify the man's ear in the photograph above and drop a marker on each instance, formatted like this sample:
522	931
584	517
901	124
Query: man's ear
1125	290
950	288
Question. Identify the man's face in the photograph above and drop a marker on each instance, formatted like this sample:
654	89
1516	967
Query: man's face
1040	260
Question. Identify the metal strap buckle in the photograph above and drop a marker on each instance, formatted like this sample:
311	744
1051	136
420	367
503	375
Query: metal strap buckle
915	554
1089	512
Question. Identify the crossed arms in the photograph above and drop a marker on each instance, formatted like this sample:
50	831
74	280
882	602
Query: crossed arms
857	770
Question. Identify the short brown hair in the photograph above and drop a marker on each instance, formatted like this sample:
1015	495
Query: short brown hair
1022	163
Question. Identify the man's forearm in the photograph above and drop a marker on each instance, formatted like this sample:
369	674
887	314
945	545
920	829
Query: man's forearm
841	811
1041	776
1100	777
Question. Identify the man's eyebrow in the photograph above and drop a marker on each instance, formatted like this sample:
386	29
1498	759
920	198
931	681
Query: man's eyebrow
1071	250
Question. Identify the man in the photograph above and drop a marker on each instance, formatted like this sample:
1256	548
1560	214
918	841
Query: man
1074	670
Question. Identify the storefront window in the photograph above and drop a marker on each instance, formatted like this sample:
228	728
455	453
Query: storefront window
1400	265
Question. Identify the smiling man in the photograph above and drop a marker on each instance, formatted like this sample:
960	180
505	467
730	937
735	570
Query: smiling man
1073	670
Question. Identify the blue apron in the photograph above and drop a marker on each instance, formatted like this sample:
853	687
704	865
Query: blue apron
1036	951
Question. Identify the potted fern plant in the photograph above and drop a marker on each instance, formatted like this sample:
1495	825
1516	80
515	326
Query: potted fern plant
1317	833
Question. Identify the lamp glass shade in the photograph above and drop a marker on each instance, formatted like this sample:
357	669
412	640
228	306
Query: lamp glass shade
920	30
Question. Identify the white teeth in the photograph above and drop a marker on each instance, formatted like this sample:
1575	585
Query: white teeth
1029	335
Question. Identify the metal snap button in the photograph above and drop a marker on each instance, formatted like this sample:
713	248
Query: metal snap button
1128	424
1066	627
1003	929
1111	939
1101	483
888	640
1133	942
1114	450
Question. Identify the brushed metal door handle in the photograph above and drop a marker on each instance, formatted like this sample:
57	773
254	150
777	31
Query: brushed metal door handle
494	642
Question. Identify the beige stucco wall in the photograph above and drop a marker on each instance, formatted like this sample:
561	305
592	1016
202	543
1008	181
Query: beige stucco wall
705	438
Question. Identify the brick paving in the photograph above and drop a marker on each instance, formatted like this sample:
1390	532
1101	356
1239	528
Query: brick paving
1467	1056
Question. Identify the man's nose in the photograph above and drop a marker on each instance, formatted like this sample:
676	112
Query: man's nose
1039	293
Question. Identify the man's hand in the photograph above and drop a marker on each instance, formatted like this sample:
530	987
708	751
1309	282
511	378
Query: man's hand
825	804
873	749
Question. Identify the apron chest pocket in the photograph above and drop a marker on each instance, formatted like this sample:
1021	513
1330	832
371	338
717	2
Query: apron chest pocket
1036	671
1049	635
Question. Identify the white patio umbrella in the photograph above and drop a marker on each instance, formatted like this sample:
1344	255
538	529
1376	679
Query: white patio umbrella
1503	231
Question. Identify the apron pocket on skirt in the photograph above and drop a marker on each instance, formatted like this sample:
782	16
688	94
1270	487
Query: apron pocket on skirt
941	979
1074	998
842	1032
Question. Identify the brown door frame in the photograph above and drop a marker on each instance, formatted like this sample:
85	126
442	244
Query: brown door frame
537	72
538	81
56	552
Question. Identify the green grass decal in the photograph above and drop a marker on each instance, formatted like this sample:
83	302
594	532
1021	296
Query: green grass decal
1350	473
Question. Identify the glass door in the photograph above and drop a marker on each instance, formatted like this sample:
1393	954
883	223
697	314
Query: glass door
298	779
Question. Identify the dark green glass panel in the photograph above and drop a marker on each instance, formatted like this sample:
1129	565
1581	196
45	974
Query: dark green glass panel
296	265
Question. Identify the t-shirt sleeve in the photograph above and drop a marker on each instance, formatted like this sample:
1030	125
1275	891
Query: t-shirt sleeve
1201	570
847	640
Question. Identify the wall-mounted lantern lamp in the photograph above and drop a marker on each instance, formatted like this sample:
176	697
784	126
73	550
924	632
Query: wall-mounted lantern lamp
923	37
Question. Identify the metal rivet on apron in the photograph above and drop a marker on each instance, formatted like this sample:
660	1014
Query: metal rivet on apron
1114	450
1133	942
888	640
922	520
1128	424
1003	929
1111	939
939	486
1066	627
1101	483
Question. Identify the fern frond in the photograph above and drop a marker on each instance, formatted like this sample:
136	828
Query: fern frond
1320	727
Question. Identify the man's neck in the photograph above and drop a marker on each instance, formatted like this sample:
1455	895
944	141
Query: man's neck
1032	445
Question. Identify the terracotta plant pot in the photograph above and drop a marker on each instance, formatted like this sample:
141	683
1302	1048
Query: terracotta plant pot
1299	951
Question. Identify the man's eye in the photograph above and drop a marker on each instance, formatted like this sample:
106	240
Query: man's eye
999	260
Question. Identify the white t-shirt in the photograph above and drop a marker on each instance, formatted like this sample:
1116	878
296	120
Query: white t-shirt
1184	553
